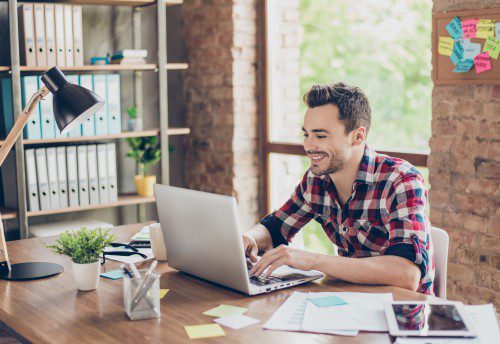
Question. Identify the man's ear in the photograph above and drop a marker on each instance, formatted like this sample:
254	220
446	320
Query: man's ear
359	136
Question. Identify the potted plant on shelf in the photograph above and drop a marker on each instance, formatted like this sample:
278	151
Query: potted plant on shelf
84	247
133	123
146	152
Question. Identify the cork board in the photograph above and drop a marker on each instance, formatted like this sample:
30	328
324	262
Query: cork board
442	67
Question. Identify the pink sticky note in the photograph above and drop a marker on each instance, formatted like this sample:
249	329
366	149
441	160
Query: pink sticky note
469	28
482	62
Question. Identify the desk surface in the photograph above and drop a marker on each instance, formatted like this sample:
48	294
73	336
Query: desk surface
52	310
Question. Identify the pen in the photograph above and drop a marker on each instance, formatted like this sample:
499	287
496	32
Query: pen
134	270
148	299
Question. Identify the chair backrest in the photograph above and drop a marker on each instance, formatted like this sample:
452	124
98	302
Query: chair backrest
440	241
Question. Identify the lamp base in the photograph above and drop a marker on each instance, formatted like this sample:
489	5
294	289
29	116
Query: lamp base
29	271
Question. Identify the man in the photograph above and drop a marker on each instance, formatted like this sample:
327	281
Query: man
371	206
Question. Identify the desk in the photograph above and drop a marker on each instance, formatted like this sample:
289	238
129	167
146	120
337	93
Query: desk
53	311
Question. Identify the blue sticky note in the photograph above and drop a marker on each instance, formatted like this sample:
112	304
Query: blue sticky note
471	50
328	301
454	28
115	274
458	53
464	66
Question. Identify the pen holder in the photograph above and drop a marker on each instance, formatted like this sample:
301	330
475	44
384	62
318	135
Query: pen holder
142	296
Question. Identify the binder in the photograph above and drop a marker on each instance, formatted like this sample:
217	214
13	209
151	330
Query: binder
59	24
31	180
102	171
29	85
53	181
47	115
72	176
92	174
27	35
8	113
77	132
112	178
50	35
43	179
113	100
62	176
77	36
88	126
68	35
101	116
40	45
83	181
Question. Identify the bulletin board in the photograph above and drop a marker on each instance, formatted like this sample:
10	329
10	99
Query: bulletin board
442	66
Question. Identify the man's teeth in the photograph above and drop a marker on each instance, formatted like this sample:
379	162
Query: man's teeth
317	157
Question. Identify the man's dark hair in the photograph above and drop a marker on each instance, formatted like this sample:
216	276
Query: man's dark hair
353	105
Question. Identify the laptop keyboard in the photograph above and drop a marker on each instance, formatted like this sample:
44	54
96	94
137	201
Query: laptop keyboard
263	280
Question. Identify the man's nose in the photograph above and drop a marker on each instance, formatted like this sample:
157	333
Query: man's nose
309	145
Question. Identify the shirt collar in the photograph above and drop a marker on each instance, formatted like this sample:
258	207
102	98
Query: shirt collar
366	172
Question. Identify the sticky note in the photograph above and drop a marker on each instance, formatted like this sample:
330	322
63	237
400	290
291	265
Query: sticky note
457	53
469	28
445	46
482	62
328	301
115	274
464	66
224	310
497	30
485	28
204	331
454	28
492	46
471	50
163	292
236	321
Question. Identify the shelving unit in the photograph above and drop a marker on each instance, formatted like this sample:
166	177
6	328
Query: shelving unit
160	66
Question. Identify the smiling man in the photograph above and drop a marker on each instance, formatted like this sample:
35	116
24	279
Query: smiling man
372	206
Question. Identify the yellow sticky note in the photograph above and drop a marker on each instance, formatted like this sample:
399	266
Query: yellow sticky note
204	331
224	310
492	46
445	46
485	28
163	292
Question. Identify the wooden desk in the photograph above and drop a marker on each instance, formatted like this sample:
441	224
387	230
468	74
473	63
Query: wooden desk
53	311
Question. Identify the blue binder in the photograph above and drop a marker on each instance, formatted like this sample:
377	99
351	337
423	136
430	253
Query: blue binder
113	100
77	132
88	126
101	116
29	85
7	113
47	116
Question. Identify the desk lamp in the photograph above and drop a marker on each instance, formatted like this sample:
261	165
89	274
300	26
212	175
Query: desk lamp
72	106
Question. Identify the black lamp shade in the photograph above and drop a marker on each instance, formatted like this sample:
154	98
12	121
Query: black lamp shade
72	104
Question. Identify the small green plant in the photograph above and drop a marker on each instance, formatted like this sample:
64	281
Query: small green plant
84	245
145	150
132	112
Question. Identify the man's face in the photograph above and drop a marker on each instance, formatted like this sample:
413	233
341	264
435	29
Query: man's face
325	140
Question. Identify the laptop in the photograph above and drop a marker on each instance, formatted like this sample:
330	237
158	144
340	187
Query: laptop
202	238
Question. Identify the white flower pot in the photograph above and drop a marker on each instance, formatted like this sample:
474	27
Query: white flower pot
86	275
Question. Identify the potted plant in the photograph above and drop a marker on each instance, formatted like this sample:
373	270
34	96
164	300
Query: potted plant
83	247
146	152
133	123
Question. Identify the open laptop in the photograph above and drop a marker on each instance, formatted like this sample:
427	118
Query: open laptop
202	238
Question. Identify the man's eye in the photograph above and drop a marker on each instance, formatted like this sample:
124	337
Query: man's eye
305	135
320	136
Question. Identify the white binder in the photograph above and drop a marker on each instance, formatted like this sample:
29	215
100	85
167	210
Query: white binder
113	101
77	36
47	115
27	35
88	125
62	176
31	180
93	176
60	46
43	180
72	176
102	168
101	116
50	35
53	181
68	35
112	178
76	132
83	181
41	55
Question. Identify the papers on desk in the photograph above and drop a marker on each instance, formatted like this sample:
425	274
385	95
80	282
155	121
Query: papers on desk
142	235
129	259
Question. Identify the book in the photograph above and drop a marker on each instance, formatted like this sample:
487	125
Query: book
131	53
129	60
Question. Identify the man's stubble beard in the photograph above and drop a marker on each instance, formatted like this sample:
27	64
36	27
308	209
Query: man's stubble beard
335	165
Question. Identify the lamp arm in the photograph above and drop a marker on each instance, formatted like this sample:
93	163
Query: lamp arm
21	122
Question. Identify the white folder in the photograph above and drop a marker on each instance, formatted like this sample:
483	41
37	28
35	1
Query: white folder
27	35
43	179
92	174
50	35
72	176
113	101
101	116
47	115
102	168
60	46
68	35
53	181
40	45
77	131
112	177
77	36
31	180
88	126
83	181
62	176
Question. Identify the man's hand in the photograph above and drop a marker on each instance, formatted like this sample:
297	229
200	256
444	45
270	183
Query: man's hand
250	247
284	255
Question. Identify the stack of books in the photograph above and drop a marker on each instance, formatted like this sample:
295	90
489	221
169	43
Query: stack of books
129	56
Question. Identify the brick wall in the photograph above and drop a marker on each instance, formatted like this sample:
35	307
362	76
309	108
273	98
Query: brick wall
464	169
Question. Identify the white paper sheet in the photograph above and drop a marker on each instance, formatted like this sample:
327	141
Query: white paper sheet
236	321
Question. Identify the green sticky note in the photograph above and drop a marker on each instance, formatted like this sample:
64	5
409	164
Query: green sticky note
163	292
485	28
445	46
492	46
224	310
115	274
328	301
204	331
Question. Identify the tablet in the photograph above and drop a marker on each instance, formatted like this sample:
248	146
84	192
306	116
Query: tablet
428	319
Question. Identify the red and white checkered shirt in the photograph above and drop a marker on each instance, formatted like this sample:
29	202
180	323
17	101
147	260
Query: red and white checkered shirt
386	213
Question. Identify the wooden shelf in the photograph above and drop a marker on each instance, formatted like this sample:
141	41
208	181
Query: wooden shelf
178	131
4	68
6	213
102	68
123	200
112	2
176	66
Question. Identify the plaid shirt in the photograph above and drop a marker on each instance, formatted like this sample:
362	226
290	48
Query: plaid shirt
385	214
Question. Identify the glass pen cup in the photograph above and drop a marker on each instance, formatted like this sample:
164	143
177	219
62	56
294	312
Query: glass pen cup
142	296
